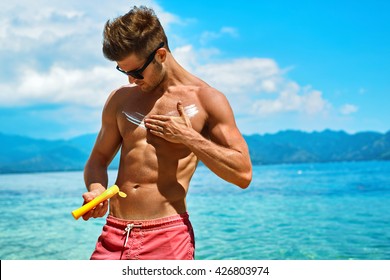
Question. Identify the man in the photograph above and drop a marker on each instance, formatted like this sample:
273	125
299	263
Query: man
164	123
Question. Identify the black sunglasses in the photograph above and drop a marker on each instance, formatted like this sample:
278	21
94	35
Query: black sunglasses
137	74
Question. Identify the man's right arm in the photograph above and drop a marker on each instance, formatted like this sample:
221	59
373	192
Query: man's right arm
106	146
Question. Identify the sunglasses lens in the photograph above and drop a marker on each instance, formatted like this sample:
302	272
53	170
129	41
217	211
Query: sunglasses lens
136	76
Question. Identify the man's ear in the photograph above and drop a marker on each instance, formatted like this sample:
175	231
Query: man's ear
161	55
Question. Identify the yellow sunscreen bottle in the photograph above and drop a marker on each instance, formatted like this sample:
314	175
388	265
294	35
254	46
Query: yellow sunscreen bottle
110	192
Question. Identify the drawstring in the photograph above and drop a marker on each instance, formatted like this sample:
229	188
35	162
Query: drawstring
128	229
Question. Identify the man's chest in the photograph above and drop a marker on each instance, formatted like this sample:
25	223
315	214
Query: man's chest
132	113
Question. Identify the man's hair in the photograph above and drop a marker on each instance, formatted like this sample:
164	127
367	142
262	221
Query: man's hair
137	32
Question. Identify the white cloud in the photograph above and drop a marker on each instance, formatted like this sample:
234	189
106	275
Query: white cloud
208	36
230	31
30	29
242	75
255	86
185	56
74	72
64	28
58	86
54	48
348	109
291	99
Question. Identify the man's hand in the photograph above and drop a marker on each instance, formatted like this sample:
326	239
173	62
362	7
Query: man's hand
169	128
100	210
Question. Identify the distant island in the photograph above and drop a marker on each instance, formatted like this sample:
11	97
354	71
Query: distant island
20	154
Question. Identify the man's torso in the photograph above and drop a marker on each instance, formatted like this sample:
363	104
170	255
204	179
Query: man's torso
153	172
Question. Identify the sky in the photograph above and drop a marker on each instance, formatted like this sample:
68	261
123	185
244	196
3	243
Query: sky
301	65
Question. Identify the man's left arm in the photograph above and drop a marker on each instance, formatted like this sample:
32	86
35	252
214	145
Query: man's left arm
225	153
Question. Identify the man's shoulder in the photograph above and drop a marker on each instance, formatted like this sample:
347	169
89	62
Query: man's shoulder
118	95
199	89
125	89
202	92
122	92
206	93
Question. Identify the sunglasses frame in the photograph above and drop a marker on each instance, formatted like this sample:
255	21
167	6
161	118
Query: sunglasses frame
137	74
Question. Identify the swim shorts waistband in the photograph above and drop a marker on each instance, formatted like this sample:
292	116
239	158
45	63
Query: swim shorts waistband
149	224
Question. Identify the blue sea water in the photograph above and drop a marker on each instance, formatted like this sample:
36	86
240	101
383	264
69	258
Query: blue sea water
322	211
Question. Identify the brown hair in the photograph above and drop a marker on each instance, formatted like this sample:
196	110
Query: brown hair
139	31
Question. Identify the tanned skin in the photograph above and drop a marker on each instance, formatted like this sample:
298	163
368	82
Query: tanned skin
157	160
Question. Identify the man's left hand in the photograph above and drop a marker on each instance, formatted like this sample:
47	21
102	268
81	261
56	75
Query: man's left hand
170	128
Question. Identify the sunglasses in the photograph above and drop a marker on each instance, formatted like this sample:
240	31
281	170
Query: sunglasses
137	74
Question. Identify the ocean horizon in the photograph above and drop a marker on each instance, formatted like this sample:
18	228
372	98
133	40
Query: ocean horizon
311	211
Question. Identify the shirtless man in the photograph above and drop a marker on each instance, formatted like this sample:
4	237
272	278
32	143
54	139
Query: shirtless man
163	123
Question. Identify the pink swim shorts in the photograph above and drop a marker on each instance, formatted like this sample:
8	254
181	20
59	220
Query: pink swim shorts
168	238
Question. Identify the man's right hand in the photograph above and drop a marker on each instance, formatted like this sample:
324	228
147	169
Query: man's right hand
100	210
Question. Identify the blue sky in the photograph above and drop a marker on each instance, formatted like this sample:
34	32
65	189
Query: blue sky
307	65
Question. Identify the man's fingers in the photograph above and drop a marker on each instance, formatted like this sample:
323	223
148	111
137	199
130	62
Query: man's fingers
183	114
157	117
180	108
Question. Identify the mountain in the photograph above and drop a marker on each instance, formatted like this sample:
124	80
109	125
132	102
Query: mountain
23	154
326	146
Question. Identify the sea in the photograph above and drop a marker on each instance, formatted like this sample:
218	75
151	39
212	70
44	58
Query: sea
313	211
